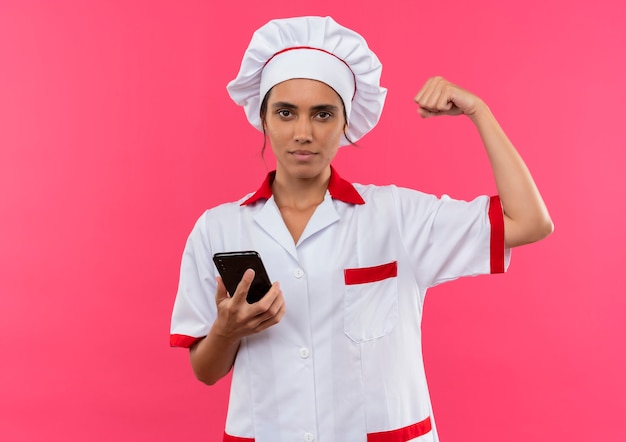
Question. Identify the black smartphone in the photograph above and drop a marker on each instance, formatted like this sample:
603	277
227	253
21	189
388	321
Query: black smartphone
232	266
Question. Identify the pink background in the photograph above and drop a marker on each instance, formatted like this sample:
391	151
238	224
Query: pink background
116	132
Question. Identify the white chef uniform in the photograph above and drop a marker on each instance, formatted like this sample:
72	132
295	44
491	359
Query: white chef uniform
345	363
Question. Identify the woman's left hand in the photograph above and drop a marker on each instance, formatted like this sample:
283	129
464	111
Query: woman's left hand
440	97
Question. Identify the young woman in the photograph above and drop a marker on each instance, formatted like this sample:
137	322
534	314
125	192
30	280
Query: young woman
333	351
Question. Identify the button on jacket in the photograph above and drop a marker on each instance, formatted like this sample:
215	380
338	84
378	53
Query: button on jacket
345	363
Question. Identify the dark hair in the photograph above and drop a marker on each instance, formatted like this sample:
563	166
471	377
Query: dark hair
263	115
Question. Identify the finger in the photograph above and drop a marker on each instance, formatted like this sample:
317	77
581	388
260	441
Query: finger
423	96
444	103
420	95
424	113
439	100
244	285
274	311
429	106
263	306
270	321
221	292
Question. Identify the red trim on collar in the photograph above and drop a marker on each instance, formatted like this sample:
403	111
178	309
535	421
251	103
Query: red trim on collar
339	189
264	192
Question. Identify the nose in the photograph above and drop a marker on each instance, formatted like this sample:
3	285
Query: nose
303	131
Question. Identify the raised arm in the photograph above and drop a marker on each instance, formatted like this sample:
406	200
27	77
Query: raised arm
526	218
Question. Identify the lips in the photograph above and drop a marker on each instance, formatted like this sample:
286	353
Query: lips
303	155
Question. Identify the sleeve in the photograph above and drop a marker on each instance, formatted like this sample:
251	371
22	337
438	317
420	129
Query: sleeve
194	308
448	239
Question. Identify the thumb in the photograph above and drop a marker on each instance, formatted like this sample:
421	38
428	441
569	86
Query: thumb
425	113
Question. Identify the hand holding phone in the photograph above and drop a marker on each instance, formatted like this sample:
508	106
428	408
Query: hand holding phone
231	267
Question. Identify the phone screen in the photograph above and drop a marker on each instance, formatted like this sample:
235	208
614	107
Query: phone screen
231	267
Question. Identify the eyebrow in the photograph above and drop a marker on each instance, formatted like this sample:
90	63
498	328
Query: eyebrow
319	107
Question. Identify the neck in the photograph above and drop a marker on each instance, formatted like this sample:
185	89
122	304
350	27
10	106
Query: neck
300	193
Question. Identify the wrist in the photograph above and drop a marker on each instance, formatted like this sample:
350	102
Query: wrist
221	336
480	112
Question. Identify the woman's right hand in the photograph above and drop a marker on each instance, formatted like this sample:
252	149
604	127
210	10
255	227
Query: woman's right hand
237	319
213	357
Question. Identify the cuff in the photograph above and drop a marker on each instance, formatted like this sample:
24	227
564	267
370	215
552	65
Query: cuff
496	248
183	341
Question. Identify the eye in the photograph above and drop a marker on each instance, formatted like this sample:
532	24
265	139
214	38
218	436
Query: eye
324	115
284	113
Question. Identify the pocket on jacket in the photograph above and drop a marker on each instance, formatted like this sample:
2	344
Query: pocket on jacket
371	301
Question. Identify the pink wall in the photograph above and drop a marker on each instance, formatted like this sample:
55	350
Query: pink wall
116	132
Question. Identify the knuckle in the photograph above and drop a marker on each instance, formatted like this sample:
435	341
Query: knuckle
264	304
280	315
273	311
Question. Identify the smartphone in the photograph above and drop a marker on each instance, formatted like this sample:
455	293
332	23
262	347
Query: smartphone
232	266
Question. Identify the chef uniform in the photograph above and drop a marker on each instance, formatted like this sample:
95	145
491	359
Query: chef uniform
345	362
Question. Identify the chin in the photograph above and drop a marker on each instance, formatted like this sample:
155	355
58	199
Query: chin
306	171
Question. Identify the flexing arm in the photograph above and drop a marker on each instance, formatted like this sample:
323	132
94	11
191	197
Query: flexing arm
526	217
213	357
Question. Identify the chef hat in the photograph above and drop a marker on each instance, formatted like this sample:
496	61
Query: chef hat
316	48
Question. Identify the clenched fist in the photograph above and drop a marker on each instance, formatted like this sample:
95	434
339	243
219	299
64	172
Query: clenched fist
440	97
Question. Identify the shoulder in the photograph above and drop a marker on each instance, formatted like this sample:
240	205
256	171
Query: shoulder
377	194
415	205
224	212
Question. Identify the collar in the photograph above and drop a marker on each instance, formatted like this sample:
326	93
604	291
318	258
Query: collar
338	188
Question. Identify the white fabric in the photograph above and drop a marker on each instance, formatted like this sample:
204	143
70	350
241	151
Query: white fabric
313	32
322	370
311	64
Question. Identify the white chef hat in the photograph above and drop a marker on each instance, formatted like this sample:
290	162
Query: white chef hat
316	48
